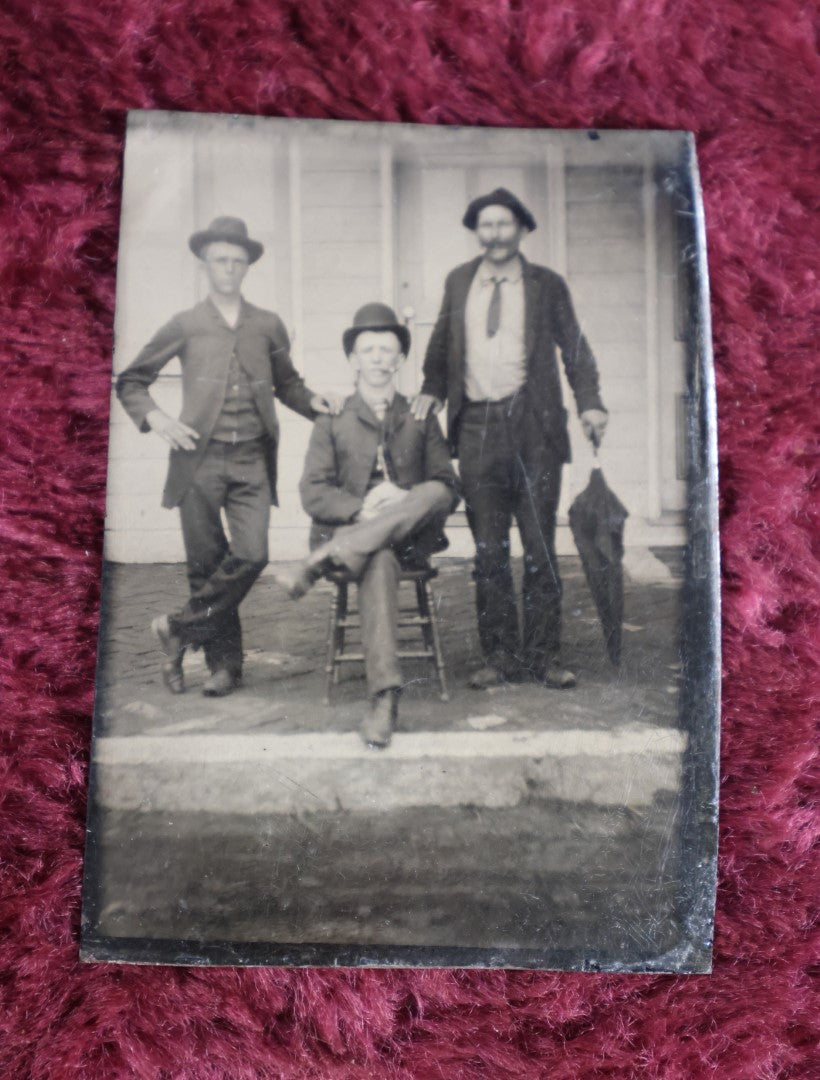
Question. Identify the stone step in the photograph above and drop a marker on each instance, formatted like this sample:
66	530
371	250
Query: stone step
260	773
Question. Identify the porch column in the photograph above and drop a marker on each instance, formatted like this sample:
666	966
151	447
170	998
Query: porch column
652	355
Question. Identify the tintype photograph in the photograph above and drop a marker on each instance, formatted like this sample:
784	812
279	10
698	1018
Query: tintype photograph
409	639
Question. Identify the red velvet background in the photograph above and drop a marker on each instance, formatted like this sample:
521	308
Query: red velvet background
744	75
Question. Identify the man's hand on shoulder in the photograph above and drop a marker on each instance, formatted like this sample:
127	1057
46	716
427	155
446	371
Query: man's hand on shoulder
594	422
330	403
178	435
421	405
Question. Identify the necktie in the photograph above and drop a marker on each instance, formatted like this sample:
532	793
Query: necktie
380	412
494	310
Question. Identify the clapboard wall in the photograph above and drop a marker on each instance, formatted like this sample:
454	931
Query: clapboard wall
337	217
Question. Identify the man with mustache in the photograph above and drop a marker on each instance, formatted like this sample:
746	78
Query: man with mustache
492	358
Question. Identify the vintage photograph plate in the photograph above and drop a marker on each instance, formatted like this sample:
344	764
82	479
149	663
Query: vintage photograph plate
410	640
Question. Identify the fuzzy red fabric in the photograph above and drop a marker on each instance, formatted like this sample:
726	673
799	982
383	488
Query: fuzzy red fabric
744	77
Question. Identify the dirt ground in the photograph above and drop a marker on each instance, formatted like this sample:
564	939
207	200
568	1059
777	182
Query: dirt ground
566	879
284	672
573	880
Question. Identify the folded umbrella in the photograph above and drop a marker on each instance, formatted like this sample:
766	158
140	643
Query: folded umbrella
596	519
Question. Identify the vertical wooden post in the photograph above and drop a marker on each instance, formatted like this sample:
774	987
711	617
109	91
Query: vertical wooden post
388	283
652	341
557	209
202	197
295	198
557	260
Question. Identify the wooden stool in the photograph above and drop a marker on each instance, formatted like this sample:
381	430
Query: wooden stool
422	616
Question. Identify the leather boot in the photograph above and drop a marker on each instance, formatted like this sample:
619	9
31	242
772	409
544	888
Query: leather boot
304	578
558	678
486	678
174	651
221	683
377	726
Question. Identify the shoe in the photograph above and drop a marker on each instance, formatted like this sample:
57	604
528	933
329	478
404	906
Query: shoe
487	677
413	562
174	650
297	584
377	726
558	678
221	683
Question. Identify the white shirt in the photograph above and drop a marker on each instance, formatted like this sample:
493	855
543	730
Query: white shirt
379	401
495	366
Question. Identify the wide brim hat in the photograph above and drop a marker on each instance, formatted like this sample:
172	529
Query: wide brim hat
227	230
376	317
499	197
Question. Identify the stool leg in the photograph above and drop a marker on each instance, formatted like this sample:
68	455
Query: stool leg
426	614
330	663
439	656
341	615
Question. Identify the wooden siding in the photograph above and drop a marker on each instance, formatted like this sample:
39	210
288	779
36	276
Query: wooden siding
333	243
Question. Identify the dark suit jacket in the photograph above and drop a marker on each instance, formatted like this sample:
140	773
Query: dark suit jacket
341	456
549	321
203	341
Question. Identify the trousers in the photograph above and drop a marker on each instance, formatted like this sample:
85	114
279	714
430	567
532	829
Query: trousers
231	478
373	553
510	471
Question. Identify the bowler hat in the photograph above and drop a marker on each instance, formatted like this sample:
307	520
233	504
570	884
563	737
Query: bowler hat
499	197
376	317
227	230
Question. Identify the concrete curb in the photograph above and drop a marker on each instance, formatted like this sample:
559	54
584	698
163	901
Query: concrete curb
262	773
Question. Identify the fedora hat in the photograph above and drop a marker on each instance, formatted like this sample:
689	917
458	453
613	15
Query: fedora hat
228	230
376	317
499	197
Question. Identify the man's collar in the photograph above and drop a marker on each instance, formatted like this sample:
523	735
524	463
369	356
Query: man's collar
210	305
511	270
375	397
399	408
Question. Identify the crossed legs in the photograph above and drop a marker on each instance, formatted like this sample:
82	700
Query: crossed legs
232	478
368	551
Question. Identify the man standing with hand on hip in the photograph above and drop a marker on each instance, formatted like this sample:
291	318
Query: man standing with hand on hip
492	358
235	358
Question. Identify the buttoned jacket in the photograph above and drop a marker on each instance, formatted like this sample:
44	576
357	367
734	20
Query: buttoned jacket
342	453
204	343
549	324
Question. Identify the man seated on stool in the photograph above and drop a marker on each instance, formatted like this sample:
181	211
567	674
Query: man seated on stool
379	485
